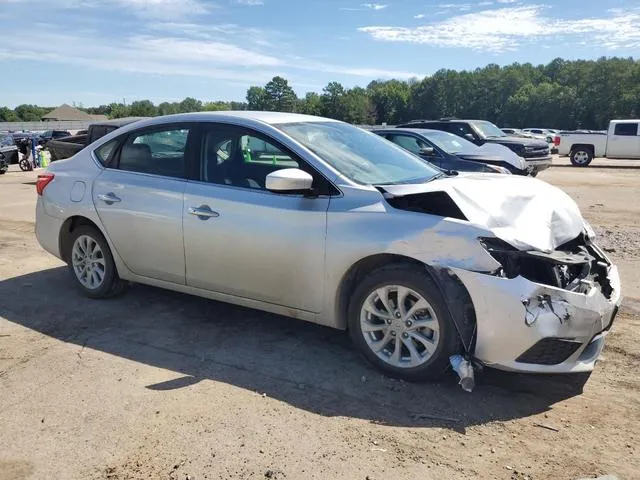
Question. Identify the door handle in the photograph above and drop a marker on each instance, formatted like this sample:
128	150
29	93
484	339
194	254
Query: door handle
203	212
108	198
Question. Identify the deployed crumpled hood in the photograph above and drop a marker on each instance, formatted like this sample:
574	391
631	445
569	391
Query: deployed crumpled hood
527	213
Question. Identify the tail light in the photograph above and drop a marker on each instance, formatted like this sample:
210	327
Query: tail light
556	140
44	179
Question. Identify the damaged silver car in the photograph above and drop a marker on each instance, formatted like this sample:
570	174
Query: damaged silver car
321	221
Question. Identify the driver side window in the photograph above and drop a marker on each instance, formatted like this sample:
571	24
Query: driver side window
239	157
414	145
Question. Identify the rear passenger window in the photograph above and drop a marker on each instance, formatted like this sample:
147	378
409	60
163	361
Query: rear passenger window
104	152
161	152
626	129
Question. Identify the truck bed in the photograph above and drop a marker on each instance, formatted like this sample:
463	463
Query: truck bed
66	147
569	141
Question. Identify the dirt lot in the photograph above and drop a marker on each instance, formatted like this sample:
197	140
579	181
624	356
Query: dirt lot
161	385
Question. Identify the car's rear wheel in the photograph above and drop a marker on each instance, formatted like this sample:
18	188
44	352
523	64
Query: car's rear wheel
581	157
91	264
399	321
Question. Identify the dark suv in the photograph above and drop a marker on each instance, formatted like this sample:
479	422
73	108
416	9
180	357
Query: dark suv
535	152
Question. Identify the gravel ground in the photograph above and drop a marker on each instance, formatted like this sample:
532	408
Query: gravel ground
161	385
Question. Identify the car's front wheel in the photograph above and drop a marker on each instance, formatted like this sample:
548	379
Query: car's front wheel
398	319
91	264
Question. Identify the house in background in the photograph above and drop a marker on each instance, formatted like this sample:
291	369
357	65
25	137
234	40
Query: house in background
67	113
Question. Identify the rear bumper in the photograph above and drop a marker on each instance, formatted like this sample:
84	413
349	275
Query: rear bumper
557	332
47	230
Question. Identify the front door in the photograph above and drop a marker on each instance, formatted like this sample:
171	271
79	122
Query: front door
243	240
139	199
416	146
624	141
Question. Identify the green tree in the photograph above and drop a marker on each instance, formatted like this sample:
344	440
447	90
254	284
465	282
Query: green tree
279	96
358	107
143	108
311	104
390	100
332	101
166	108
118	110
7	115
189	104
29	113
256	98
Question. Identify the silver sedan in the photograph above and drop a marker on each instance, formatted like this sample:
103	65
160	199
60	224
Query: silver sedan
322	221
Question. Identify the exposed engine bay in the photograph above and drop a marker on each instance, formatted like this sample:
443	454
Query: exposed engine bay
576	266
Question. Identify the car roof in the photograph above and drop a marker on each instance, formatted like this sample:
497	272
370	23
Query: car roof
118	122
423	131
246	117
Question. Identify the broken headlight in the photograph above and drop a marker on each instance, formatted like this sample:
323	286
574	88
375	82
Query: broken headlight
563	269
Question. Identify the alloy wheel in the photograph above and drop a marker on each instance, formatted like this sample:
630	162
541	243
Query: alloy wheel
400	326
87	259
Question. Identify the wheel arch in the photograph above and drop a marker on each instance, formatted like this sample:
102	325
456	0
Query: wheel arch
457	298
586	146
67	228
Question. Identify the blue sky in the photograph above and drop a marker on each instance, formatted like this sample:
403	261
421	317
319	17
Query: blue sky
100	51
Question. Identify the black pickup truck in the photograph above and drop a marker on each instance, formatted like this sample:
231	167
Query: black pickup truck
535	152
62	148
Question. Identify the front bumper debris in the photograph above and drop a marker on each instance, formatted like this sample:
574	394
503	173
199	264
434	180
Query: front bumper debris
531	327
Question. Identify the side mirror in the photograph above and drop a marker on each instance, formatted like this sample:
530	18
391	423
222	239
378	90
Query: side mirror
427	151
289	180
469	137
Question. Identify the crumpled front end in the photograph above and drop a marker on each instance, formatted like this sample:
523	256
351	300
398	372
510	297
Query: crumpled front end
544	312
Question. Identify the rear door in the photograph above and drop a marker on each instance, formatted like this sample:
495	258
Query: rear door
250	242
624	141
139	198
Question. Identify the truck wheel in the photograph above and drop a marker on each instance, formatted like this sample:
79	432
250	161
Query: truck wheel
581	157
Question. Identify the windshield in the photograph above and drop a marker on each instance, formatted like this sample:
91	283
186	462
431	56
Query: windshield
449	142
360	155
488	129
6	140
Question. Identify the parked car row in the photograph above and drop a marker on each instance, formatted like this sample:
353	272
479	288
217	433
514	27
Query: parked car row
534	152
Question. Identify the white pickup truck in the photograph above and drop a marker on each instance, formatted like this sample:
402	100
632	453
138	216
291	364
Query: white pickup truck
622	140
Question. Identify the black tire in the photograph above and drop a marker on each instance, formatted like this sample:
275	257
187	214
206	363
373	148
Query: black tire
534	173
581	157
112	284
25	165
418	280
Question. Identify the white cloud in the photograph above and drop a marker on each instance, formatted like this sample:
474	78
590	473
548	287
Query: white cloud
167	9
506	1
175	56
251	3
374	6
485	4
508	27
419	16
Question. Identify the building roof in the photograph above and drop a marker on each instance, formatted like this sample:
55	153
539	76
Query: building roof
67	112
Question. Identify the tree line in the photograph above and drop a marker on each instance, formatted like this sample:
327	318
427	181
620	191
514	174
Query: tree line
562	94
